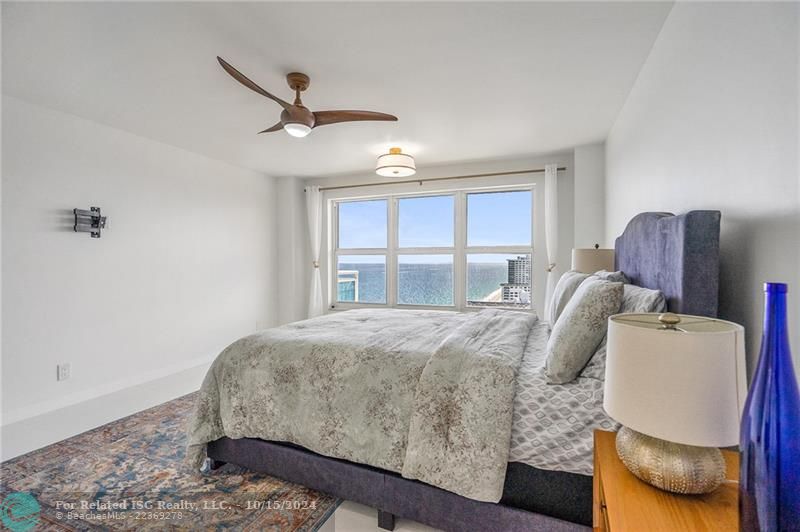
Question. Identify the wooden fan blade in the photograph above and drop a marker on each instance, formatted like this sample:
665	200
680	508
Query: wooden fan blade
276	127
323	118
244	80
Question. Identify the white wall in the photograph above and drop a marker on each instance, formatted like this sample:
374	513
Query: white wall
565	191
712	123
186	266
590	207
294	266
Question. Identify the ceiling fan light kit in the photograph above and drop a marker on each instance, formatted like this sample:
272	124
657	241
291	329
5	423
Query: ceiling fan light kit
296	129
297	119
395	164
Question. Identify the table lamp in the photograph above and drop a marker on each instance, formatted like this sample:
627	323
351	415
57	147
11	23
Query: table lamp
677	384
590	260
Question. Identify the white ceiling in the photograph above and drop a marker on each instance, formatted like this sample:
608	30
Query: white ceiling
468	81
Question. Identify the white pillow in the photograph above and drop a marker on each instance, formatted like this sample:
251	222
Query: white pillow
581	327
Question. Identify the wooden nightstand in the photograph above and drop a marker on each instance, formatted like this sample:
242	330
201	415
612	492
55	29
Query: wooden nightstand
622	502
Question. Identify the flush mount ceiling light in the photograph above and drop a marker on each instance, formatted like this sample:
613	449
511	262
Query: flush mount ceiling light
395	164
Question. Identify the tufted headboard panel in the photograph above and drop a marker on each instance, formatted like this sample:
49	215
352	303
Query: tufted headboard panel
678	255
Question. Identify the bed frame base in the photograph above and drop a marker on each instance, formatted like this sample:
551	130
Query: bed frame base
390	493
385	520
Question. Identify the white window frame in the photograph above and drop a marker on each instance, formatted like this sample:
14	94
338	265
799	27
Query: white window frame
459	251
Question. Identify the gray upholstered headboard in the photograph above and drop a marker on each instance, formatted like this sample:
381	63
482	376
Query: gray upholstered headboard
678	255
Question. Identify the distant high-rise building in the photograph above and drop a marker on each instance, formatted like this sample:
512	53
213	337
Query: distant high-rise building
519	270
518	287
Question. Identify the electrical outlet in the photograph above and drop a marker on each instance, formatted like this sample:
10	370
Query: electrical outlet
62	372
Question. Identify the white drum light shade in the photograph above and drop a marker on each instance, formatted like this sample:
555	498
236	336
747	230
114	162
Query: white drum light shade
686	385
296	129
590	260
395	164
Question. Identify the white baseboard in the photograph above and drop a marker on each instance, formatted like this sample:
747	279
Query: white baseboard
38	431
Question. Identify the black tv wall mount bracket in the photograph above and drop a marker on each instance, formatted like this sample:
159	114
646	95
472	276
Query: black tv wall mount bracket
89	221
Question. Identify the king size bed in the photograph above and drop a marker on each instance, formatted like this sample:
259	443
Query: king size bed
449	419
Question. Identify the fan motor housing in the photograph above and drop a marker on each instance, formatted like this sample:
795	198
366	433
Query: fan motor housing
297	114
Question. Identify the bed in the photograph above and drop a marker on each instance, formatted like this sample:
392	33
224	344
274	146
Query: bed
422	473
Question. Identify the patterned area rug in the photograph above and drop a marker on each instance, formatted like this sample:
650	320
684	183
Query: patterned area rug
130	475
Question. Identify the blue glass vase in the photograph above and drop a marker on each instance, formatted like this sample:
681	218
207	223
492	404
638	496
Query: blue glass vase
769	484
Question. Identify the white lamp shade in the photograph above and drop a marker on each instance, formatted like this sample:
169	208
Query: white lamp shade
592	260
395	164
685	386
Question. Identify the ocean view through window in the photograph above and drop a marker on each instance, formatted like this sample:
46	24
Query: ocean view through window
498	280
425	280
362	278
455	250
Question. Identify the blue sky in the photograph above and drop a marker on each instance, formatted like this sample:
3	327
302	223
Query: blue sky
493	219
499	218
426	222
362	224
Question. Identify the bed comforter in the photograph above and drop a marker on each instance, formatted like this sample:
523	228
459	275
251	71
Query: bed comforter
423	393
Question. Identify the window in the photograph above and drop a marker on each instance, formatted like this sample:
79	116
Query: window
426	245
361	260
497	222
456	250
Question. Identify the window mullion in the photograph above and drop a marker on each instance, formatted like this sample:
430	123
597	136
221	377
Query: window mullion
499	249
333	259
361	251
425	251
460	257
391	254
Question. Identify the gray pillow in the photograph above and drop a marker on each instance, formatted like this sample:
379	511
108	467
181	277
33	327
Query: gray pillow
634	299
596	368
617	277
581	328
637	299
562	293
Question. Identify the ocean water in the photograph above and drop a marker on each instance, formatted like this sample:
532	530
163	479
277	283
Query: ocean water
422	284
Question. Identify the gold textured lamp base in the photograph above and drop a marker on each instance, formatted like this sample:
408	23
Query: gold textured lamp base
671	466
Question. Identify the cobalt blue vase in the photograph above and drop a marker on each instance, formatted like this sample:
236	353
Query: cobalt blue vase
769	483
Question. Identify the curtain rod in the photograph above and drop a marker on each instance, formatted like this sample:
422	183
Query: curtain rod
421	181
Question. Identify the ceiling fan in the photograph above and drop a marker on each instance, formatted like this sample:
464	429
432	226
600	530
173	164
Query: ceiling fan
296	118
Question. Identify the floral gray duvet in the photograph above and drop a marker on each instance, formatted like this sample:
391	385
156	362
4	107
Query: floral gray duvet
427	394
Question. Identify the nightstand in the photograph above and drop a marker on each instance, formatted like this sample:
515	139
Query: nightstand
622	502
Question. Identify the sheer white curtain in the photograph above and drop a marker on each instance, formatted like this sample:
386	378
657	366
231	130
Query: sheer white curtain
550	230
314	211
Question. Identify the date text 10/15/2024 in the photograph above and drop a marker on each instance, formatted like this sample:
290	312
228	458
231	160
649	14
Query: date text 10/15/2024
139	504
